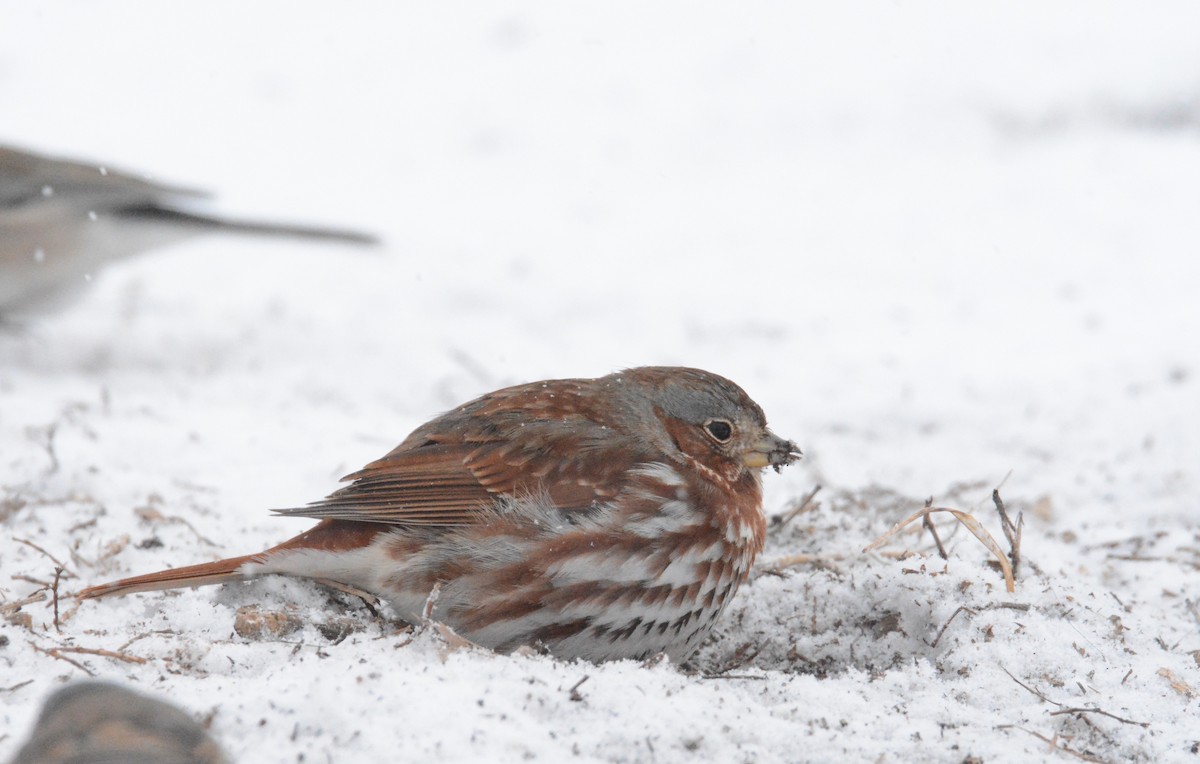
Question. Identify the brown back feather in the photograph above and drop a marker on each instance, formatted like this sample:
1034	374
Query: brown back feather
511	443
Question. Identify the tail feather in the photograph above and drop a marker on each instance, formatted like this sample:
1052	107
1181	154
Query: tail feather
325	536
155	212
204	574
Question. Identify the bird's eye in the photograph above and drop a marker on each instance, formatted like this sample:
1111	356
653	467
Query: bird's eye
719	430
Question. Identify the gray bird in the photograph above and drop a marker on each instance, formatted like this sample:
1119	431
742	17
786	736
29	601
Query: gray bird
61	220
101	723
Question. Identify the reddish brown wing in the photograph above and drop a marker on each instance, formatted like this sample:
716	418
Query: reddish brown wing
427	486
529	440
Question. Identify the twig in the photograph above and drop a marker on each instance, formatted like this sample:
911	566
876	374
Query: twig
933	531
1011	532
102	653
57	576
786	518
1053	743
452	641
32	545
141	636
16	686
430	601
1101	712
1061	710
81	525
192	528
731	676
1027	687
742	656
54	653
973	611
946	625
150	514
71	610
11	607
971	524
369	600
574	693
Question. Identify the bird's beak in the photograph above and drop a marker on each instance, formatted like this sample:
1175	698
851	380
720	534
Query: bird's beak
771	451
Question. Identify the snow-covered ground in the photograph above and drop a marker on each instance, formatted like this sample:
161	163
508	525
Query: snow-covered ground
947	248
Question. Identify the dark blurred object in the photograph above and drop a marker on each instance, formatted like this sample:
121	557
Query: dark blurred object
101	723
61	220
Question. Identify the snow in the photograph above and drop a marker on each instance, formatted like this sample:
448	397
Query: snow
946	247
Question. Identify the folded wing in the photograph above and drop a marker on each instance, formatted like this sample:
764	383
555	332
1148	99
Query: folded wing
454	478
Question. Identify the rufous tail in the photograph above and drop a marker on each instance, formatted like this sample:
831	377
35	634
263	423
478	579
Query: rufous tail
204	574
327	536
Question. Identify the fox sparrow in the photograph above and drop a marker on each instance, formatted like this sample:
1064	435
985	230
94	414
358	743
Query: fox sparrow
600	518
